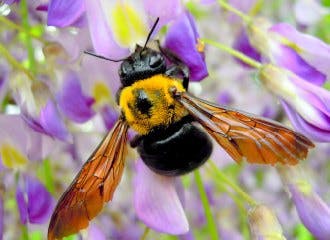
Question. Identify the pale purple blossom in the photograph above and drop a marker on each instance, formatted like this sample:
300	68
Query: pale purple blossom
182	39
2	213
72	102
306	104
66	13
157	203
312	210
34	202
306	63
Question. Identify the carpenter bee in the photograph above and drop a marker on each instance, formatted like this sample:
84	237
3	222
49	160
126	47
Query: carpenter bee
155	102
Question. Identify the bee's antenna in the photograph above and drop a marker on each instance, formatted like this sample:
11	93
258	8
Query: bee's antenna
102	57
150	33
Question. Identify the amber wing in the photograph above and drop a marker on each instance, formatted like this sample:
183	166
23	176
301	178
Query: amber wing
93	186
245	136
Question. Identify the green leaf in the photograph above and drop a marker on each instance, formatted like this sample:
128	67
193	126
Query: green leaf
323	28
195	9
301	233
45	174
327	85
325	3
36	235
71	237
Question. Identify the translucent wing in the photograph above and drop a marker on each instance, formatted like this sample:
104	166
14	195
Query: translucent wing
93	186
245	136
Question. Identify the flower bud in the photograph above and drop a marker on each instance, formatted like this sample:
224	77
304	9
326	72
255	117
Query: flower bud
264	224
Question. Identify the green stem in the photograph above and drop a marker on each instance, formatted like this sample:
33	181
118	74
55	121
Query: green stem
14	62
233	52
247	19
256	8
145	233
19	28
212	227
25	232
28	41
223	178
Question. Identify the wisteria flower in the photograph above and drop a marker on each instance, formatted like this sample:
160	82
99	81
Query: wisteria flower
34	202
157	202
264	224
306	60
72	101
308	12
306	104
312	210
182	39
66	13
2	211
283	45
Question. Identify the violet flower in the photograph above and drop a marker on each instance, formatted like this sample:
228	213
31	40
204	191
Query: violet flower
9	2
306	104
2	211
308	12
72	101
284	46
243	45
49	122
35	204
306	66
182	38
157	203
312	210
66	13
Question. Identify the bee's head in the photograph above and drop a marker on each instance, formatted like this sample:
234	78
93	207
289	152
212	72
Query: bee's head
143	63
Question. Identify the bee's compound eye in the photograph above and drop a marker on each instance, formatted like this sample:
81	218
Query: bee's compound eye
155	60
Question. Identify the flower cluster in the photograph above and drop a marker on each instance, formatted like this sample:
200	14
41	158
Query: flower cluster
57	103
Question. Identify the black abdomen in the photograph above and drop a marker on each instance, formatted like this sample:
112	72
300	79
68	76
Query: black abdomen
175	150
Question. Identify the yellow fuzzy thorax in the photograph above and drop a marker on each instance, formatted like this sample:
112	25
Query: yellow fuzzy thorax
164	108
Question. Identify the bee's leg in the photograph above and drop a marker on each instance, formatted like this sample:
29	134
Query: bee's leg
178	66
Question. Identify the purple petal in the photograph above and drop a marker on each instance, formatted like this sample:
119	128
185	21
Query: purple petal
32	123
182	39
110	116
313	212
52	122
287	58
225	98
227	233
102	37
157	203
315	52
94	233
72	102
269	112
42	8
40	202
165	10
187	236
2	212
9	2
22	204
243	45
64	13
301	125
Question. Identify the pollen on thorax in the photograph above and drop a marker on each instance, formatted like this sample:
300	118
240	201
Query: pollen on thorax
163	109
